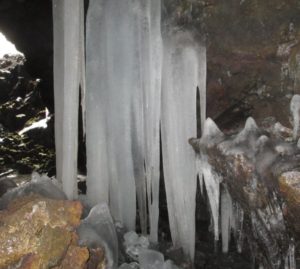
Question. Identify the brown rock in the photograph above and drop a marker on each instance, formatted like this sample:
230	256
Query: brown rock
36	232
76	258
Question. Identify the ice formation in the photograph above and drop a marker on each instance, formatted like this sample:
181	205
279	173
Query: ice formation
98	230
295	110
227	218
123	50
39	184
134	244
68	68
183	61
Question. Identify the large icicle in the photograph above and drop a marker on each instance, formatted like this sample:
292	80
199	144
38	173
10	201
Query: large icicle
68	62
123	107
180	81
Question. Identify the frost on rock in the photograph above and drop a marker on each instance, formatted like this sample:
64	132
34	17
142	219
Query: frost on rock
134	244
295	110
98	229
124	58
181	68
68	62
39	184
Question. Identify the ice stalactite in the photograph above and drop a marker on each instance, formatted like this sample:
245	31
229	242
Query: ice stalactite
182	62
124	52
68	68
227	218
211	135
295	110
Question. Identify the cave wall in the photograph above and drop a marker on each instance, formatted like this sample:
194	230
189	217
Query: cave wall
253	50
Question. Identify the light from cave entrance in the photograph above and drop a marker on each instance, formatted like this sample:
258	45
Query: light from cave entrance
7	48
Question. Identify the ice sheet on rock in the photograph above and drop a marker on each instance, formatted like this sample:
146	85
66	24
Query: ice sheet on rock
98	230
180	81
244	142
39	184
68	61
295	110
134	244
151	259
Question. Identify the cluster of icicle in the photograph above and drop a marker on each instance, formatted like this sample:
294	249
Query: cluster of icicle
138	84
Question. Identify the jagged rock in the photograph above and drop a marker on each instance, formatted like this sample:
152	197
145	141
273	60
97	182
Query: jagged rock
289	186
37	232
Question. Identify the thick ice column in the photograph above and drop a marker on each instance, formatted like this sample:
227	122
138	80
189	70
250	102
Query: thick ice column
180	81
68	62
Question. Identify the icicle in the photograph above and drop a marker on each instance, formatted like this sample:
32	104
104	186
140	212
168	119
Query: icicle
238	226
124	54
68	60
180	81
295	110
202	85
212	184
290	261
226	219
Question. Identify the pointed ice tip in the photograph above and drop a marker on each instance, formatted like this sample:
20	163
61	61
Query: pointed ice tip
250	124
211	133
211	129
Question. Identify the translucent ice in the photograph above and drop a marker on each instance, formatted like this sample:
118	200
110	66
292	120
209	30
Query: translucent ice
39	184
98	230
134	244
151	259
182	61
68	62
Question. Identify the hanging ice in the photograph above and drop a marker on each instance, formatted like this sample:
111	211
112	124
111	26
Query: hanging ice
295	110
226	218
68	67
182	62
123	107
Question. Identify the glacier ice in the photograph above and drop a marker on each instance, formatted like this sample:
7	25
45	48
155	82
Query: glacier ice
68	62
182	61
295	110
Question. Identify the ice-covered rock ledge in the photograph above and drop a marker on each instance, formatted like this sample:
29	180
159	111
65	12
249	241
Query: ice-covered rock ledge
258	173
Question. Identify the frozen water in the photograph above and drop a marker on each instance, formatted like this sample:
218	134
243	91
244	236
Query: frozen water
134	244
68	62
211	134
124	53
151	259
295	110
41	185
98	230
226	218
180	81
